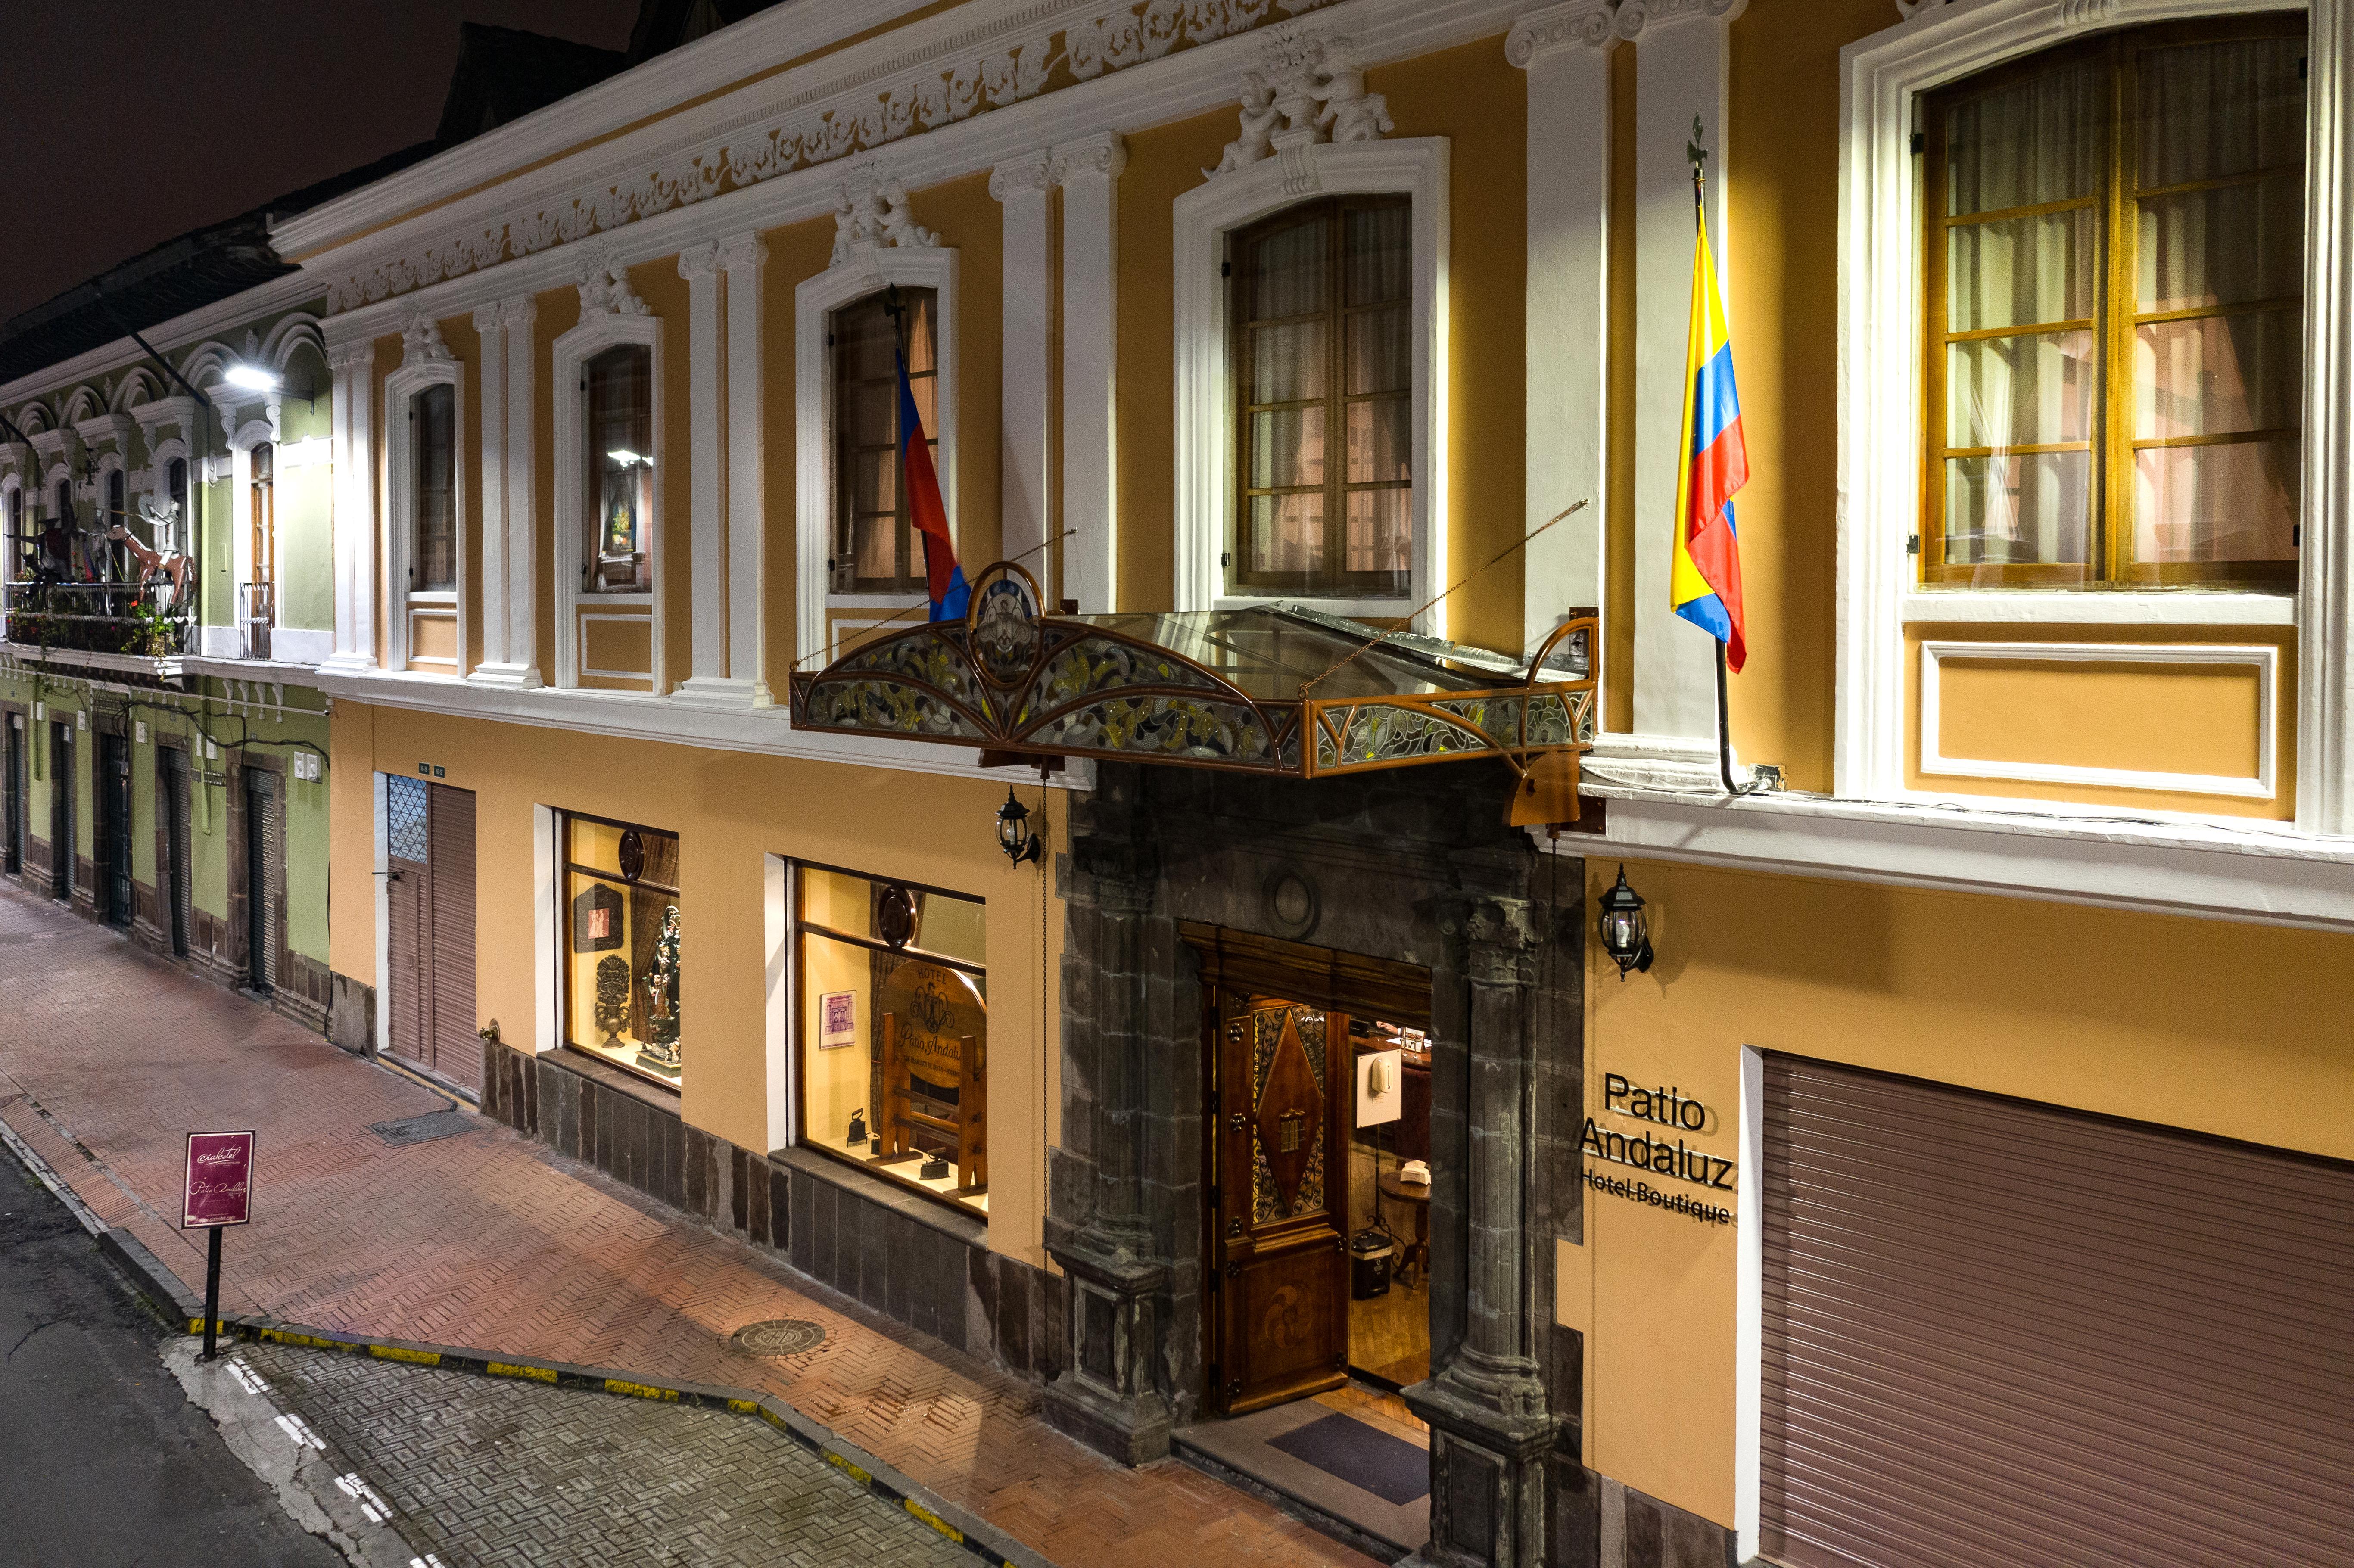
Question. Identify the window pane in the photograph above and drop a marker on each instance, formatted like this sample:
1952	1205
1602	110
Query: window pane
1377	441
433	411
1288	270
926	390
2037	140
1377	257
1381	533
2217	374
2022	272
1286	447
921	306
862	340
874	544
623	936
1286	535
2220	247
1287	363
2019	391
621	468
2018	510
1380	351
874	479
2228	503
865	413
2210	111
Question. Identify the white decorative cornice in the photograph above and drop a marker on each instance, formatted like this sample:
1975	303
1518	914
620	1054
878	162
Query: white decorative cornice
1030	172
520	312
1574	24
115	427
1634	16
870	213
971	71
698	260
1307	89
420	341
360	353
1105	152
605	289
741	251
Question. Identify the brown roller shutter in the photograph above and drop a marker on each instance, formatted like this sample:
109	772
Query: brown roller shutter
457	1051
1999	1335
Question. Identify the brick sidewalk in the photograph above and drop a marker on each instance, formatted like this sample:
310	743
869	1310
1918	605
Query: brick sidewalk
107	1058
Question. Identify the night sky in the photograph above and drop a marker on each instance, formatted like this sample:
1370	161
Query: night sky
124	123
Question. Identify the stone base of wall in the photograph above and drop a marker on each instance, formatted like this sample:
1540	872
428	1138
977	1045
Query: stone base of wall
899	1253
351	1014
302	992
1641	1531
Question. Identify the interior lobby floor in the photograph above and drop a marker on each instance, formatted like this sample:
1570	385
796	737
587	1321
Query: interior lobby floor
1355	1456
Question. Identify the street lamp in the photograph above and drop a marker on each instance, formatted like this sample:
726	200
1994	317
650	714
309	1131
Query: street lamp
1013	835
1625	935
252	377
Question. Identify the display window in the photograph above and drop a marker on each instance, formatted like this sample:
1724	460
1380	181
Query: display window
621	925
894	1031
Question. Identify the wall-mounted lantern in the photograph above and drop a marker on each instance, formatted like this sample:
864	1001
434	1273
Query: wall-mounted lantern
1625	934
1013	835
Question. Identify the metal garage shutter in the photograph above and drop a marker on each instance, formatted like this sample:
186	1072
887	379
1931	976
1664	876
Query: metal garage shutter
450	824
2003	1335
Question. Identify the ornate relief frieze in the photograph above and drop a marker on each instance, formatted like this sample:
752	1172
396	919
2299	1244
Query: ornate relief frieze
872	212
605	287
420	341
983	72
1308	90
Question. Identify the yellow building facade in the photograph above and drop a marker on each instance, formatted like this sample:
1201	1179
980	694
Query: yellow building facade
1229	323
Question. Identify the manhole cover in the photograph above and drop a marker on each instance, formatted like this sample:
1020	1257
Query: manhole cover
421	1129
779	1337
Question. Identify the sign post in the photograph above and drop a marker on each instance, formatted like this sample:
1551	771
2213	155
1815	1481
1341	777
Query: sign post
218	1193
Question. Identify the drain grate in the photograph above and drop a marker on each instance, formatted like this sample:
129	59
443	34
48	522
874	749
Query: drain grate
779	1337
421	1129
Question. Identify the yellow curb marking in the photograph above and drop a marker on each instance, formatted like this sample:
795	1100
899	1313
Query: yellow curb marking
839	1463
743	1406
935	1521
395	1353
509	1369
640	1389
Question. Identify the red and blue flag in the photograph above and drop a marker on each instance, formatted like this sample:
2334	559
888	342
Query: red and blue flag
944	578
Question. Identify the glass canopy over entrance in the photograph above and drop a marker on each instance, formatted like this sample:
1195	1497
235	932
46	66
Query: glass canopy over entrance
1279	690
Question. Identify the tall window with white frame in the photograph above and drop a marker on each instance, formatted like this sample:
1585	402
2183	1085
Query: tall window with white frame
875	546
175	490
64	553
1322	347
619	480
262	592
433	454
118	515
23	558
2115	238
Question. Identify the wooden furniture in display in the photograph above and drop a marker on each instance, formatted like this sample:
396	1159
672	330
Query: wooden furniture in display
1416	1195
935	1068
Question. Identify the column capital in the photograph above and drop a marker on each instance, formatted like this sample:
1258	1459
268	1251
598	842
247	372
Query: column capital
1499	936
358	353
521	310
1572	23
1635	16
1104	154
742	251
1015	175
698	260
486	317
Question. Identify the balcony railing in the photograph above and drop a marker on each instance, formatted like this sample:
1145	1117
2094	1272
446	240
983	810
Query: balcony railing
100	618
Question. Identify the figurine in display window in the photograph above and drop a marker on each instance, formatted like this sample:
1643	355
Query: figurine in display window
660	1050
612	997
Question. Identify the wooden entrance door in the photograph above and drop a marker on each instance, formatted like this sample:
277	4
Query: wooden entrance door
61	812
1279	1189
12	794
172	803
114	826
429	892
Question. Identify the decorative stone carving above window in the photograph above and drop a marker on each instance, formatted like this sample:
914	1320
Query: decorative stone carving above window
1308	90
871	213
605	288
420	341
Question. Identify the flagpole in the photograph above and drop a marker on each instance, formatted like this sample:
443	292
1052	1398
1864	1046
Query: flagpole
1698	157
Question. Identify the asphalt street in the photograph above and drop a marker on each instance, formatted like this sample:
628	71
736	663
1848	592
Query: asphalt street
104	1461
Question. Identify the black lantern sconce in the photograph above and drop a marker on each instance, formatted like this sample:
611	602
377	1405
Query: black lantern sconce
1625	935
1013	835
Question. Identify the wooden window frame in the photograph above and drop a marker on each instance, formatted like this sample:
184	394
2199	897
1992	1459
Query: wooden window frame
418	447
2110	564
1335	581
841	542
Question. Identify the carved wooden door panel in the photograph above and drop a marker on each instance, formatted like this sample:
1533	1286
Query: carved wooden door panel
1278	1261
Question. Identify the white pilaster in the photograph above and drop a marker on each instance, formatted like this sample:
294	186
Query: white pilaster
351	423
1019	186
490	364
1088	172
1685	60
706	484
2325	762
748	565
520	603
1565	48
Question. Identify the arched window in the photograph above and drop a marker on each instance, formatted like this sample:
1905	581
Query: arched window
175	489
21	554
875	545
2115	238
117	556
62	546
1323	388
433	560
620	415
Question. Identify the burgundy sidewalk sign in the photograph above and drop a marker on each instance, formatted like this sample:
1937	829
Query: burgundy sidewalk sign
219	1187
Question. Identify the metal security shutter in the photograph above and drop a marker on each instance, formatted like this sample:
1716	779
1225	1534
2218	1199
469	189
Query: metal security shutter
265	872
1999	1335
176	847
457	1051
61	812
12	781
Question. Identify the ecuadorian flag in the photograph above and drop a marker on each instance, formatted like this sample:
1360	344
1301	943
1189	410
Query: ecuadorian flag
943	576
1704	581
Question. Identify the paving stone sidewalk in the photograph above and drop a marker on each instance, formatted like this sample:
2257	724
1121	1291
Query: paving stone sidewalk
490	1472
108	1057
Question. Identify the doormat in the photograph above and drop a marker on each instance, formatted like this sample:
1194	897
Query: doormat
1365	1457
779	1337
421	1129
